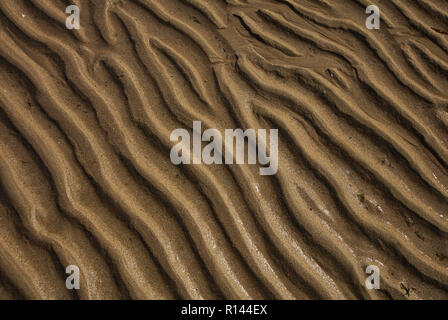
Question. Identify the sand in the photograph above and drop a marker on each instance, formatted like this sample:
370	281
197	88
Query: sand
85	171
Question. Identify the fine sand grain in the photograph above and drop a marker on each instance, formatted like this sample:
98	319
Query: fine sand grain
85	171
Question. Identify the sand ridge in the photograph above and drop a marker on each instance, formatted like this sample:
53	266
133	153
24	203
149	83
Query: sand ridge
85	171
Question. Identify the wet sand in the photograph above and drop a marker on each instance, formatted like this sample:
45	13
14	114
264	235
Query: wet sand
85	171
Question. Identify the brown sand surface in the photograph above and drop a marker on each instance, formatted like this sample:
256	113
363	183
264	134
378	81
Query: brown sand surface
85	171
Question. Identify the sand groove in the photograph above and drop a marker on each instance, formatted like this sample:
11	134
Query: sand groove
86	177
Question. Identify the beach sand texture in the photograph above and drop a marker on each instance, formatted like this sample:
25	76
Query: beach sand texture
85	171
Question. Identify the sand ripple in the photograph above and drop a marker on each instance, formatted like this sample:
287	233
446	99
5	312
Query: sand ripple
86	178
